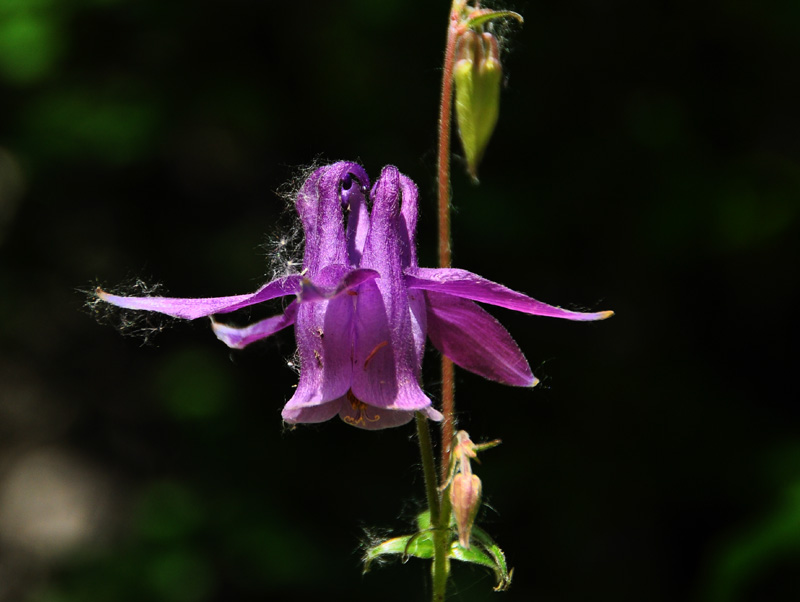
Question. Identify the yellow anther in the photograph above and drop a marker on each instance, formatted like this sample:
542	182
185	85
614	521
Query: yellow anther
362	418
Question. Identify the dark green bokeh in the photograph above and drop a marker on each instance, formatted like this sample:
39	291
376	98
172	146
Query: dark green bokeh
646	160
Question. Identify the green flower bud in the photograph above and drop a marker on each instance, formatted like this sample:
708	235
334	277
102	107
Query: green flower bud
477	74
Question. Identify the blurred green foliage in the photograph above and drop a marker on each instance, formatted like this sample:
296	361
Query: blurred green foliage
30	46
111	130
192	384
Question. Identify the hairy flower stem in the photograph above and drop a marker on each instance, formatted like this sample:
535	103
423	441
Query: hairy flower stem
445	246
428	466
441	563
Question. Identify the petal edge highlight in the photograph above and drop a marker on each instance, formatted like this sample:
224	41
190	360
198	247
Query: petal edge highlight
193	308
239	338
476	341
464	284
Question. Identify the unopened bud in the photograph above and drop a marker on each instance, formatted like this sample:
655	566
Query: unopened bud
465	496
477	74
464	447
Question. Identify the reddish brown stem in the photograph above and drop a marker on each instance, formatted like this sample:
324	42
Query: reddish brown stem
443	173
448	407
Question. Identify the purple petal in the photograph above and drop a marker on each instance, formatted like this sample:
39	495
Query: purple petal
419	326
307	206
407	232
319	204
408	224
352	192
476	341
312	414
355	413
324	332
461	283
239	338
385	358
431	414
385	368
347	280
191	309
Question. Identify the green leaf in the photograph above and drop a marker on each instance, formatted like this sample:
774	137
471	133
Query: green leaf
493	15
418	545
502	573
424	521
474	555
485	554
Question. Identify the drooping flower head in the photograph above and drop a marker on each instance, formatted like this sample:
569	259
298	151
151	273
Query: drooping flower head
363	308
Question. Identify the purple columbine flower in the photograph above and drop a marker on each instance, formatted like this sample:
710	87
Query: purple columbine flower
363	307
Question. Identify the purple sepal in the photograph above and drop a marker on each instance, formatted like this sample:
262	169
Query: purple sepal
190	309
461	283
348	279
239	338
474	340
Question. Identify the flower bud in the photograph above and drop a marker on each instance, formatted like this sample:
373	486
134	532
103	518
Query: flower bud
477	74
464	448
465	496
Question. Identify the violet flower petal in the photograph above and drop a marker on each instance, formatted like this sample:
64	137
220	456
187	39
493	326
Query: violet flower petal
461	283
408	224
319	204
385	362
348	279
324	333
354	413
324	329
407	232
474	340
239	338
432	414
318	413
191	309
352	194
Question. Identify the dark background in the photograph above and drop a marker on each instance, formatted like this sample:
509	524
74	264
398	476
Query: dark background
646	161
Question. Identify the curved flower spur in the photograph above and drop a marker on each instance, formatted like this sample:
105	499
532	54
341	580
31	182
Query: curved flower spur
363	307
